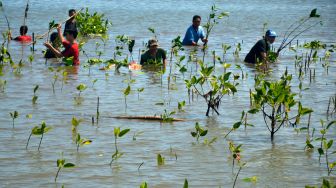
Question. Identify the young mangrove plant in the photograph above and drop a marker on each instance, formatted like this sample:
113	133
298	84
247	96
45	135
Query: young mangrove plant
199	132
166	117
213	19
140	90
180	105
14	115
297	28
74	126
126	92
160	160
243	121
61	163
3	84
35	97
143	185
81	141
118	133
275	99
80	88
324	145
39	131
92	24
211	87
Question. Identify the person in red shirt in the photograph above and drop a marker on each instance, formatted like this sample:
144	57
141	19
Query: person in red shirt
71	52
23	35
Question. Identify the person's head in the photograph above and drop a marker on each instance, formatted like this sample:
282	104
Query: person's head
72	12
196	20
23	30
70	34
153	44
270	36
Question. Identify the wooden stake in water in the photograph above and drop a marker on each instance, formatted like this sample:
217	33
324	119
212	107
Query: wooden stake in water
250	97
97	115
33	42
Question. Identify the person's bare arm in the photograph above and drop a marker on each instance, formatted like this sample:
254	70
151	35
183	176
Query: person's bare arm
164	63
60	34
264	57
54	50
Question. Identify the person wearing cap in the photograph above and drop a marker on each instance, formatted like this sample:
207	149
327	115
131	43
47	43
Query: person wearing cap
259	51
154	55
194	33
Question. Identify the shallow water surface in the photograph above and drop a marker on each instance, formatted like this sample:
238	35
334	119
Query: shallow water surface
282	164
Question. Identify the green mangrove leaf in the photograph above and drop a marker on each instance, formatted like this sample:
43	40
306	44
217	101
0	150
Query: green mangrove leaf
69	165
160	160
253	111
123	132
203	132
320	150
237	125
143	185
185	185
313	14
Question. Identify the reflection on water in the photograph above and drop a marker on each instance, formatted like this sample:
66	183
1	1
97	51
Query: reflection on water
282	164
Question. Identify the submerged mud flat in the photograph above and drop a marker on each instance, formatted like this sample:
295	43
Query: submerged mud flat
283	163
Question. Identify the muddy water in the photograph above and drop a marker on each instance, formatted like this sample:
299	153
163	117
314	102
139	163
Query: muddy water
282	164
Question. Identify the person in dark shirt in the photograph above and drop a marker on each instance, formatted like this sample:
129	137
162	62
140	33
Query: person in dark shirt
55	43
71	23
154	55
259	51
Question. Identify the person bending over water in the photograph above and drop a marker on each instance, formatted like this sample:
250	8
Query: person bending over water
194	33
71	53
55	43
154	55
71	24
23	35
260	50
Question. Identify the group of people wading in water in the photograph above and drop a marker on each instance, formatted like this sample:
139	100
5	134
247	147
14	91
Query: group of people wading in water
153	56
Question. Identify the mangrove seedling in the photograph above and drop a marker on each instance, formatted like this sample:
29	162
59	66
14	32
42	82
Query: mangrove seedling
93	82
166	117
199	132
213	19
118	133
180	105
152	30
62	164
243	121
3	84
297	28
275	99
160	160
140	90
92	24
126	92
185	185
38	131
211	87
74	124
35	97
81	141
136	134
81	88
14	115
143	185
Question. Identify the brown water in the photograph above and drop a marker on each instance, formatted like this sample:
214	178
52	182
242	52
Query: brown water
282	164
